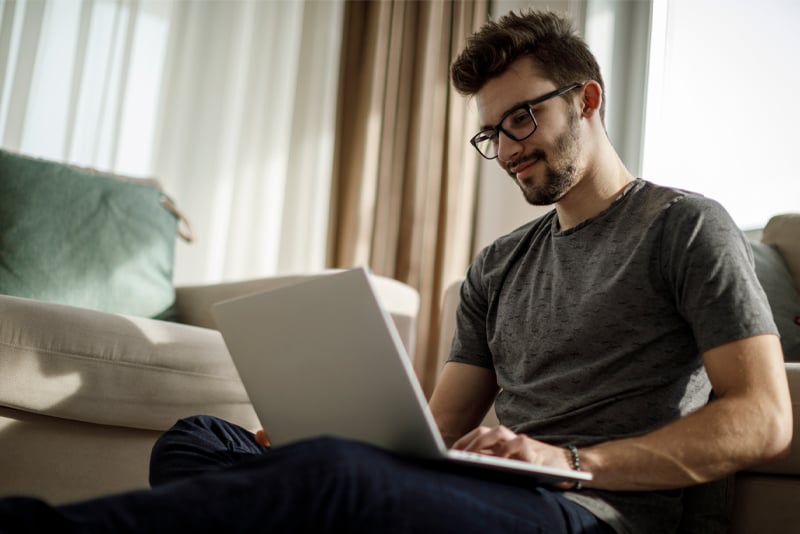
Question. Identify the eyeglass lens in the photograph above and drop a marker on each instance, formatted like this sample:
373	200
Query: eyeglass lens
519	125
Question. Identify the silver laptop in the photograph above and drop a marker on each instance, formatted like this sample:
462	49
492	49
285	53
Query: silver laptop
322	357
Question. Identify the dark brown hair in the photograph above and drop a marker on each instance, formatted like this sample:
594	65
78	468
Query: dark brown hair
548	38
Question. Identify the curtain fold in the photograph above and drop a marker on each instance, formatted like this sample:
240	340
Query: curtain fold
405	176
247	137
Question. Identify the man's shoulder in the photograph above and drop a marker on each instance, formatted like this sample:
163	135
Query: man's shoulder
677	204
665	195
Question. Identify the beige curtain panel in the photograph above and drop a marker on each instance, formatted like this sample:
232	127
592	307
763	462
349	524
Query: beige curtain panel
405	176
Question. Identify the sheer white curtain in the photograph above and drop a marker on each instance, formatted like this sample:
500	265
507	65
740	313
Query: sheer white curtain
230	104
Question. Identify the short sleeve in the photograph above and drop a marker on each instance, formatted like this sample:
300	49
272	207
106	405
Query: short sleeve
470	343
709	265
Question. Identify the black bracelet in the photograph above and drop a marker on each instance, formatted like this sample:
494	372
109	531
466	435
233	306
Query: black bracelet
576	464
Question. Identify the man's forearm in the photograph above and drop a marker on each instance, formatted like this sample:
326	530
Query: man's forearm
725	436
461	399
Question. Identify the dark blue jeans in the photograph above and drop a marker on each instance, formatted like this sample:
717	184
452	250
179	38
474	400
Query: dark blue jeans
211	476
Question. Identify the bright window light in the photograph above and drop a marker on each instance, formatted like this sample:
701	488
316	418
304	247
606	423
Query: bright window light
720	117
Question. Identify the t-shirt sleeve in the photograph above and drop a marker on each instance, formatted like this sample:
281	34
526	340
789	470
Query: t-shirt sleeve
469	342
709	264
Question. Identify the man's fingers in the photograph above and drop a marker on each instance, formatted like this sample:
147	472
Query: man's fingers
464	441
484	439
262	438
517	448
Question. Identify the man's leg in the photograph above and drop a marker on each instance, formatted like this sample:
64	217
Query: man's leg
330	485
199	444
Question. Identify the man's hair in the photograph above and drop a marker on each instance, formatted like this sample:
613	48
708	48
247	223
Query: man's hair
548	38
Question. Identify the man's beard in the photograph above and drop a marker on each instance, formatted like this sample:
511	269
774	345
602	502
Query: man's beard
560	175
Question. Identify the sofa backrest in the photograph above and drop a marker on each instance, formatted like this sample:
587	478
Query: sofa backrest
193	303
783	232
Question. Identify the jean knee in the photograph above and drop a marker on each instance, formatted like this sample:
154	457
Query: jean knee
196	423
206	431
199	443
186	430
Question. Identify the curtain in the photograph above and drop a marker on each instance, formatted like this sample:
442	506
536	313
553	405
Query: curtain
405	176
231	105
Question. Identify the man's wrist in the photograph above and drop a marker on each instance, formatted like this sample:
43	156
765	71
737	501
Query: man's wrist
574	461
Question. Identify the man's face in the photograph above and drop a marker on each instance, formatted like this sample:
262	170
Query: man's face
545	166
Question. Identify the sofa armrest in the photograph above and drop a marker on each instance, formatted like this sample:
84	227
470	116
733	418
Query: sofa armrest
193	303
112	369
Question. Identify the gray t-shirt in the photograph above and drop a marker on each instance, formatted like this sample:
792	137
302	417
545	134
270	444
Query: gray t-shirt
597	332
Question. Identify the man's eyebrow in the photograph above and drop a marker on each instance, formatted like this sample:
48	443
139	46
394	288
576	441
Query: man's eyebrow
505	114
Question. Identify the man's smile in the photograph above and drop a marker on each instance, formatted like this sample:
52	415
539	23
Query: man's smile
521	169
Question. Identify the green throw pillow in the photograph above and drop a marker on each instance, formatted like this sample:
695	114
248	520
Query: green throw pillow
78	237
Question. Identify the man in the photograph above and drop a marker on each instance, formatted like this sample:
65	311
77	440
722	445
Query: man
598	329
603	323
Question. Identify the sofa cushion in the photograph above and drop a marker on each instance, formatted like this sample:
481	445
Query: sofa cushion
784	299
111	369
765	504
78	237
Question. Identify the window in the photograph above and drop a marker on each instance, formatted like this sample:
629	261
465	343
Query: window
721	118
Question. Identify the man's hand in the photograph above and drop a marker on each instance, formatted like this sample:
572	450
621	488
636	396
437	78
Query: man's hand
262	439
501	441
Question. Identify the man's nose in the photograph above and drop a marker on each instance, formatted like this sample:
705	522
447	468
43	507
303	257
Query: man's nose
508	149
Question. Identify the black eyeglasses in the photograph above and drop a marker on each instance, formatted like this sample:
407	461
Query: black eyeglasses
518	124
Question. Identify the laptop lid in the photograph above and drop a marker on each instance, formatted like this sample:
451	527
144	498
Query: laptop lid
322	357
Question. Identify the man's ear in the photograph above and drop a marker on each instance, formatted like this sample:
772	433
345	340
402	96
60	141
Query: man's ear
592	98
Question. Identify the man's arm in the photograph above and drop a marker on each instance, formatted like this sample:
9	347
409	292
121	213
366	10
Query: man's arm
463	395
749	423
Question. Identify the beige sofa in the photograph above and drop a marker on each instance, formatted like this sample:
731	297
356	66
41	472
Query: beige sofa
766	498
84	394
